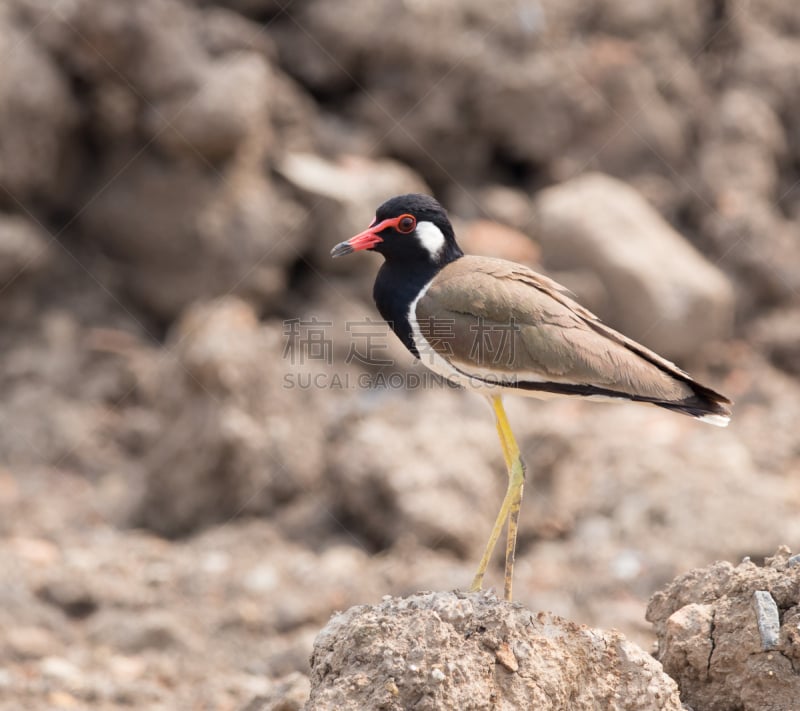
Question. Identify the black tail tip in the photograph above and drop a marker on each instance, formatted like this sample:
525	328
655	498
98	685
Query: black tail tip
706	405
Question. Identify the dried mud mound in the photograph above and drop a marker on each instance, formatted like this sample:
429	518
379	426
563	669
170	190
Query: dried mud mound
729	635
471	651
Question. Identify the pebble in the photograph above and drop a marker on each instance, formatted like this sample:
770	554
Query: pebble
262	578
61	669
31	642
71	594
36	550
506	657
769	623
62	700
152	629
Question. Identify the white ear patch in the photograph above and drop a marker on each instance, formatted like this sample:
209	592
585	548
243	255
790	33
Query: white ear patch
430	237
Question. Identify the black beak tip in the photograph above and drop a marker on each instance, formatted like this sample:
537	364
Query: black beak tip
342	249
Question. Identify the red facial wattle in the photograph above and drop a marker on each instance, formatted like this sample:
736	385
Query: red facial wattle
370	237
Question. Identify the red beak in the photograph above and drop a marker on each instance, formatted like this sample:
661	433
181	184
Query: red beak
363	240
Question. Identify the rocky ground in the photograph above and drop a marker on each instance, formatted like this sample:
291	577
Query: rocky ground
206	448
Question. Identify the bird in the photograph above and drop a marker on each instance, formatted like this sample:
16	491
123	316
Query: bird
499	328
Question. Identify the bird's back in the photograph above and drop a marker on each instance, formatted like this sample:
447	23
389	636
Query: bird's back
496	320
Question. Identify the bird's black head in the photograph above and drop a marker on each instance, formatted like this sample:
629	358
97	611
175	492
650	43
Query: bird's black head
407	228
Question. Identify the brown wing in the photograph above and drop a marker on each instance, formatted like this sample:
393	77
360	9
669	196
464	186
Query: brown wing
499	320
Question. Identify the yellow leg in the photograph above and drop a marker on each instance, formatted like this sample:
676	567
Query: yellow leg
509	509
507	455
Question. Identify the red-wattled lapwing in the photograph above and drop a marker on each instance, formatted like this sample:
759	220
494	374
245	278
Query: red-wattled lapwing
498	327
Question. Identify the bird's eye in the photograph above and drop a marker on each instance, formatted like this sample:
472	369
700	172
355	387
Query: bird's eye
406	224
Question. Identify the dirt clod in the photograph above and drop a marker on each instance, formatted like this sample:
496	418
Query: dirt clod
472	651
728	635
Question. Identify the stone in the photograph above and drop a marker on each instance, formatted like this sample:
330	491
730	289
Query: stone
728	635
185	122
500	203
460	90
72	594
31	642
661	291
472	651
777	334
393	475
213	120
289	693
492	239
221	386
38	115
24	248
258	8
342	195
135	634
740	159
229	232
62	670
759	247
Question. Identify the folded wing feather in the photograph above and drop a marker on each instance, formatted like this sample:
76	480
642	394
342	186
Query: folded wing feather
492	318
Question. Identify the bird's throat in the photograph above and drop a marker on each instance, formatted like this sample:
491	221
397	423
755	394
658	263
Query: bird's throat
396	287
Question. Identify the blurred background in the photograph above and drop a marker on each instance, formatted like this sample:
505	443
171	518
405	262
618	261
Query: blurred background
209	443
